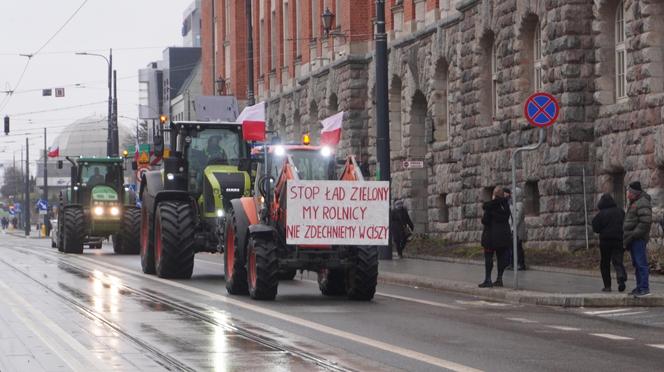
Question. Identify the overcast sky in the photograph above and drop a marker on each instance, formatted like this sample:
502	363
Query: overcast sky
137	30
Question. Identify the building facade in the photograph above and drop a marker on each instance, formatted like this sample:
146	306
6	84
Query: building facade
460	72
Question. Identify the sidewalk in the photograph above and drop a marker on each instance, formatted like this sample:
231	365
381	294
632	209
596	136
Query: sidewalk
34	234
568	288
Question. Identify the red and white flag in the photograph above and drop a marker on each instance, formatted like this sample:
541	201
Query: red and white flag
54	152
253	122
331	132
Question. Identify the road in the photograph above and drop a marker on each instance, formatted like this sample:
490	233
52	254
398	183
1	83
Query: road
98	311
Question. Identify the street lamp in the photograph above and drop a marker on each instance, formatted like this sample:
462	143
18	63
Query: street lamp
327	20
111	146
221	86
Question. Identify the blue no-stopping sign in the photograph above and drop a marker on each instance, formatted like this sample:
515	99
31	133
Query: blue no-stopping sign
541	109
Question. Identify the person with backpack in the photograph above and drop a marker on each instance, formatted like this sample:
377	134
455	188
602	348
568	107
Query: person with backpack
401	226
608	223
496	236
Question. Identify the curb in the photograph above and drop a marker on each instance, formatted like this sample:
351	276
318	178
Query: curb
523	296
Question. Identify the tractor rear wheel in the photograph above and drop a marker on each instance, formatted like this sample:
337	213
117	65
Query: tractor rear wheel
263	269
60	235
332	282
362	277
235	271
74	230
174	227
147	245
127	239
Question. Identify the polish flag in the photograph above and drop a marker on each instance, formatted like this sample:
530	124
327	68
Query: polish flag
253	122
54	152
331	132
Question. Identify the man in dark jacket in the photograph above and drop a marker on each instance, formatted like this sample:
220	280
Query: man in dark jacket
608	223
496	236
399	224
636	234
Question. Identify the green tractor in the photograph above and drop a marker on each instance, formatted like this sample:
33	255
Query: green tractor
184	204
97	205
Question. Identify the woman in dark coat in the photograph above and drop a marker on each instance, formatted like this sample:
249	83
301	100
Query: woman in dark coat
608	223
399	224
496	236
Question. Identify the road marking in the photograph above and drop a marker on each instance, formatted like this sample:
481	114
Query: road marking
20	306
411	354
563	328
601	312
482	303
624	314
522	320
611	337
657	346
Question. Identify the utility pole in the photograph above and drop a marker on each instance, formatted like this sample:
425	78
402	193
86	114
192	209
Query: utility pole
45	170
116	140
382	108
250	57
26	206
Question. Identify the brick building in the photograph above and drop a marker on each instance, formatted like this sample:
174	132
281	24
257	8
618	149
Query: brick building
459	73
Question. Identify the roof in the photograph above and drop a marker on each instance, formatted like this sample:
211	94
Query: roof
94	159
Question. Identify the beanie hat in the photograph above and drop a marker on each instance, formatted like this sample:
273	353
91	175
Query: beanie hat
635	187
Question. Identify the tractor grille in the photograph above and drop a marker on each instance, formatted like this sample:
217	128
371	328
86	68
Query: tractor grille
232	186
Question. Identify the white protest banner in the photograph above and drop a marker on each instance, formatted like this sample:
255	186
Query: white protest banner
337	212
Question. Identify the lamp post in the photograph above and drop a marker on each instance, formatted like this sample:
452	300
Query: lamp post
221	86
110	146
327	17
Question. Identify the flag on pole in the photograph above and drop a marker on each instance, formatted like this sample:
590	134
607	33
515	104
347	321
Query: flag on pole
253	122
331	132
54	152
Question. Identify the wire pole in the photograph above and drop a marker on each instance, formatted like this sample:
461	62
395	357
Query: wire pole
115	140
27	206
45	171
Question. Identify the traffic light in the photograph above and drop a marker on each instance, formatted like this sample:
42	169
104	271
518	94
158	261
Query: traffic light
6	124
163	119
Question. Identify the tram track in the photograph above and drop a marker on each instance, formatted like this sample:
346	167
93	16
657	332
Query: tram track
162	358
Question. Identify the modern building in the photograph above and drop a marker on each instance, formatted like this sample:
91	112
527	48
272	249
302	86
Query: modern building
191	25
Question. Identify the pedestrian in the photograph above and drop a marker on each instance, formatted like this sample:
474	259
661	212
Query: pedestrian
520	218
364	166
636	227
608	223
47	223
496	236
401	226
15	222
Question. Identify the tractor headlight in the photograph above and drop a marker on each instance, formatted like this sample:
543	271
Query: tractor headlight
220	213
99	211
170	176
279	150
326	151
115	211
75	188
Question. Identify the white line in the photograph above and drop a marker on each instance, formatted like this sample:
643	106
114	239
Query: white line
412	354
600	312
624	314
611	337
657	346
563	328
522	320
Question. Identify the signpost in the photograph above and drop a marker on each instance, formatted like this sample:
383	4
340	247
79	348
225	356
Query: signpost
42	206
541	110
338	213
413	164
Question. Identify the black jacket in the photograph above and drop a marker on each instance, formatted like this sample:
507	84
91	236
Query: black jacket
400	219
496	221
608	223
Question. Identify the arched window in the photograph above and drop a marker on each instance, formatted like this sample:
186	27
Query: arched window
620	51
488	80
494	80
537	57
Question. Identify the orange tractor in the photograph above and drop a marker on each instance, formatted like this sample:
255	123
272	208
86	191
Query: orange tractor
256	254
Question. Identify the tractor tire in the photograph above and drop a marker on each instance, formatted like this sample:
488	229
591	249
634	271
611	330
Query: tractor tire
127	239
147	245
60	243
332	282
235	271
361	278
262	269
287	274
74	231
174	227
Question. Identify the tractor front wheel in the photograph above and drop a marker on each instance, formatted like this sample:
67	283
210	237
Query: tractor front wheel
74	230
174	240
127	239
362	277
235	272
263	269
147	245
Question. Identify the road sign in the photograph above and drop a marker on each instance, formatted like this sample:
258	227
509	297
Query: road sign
59	92
541	109
42	205
413	164
140	172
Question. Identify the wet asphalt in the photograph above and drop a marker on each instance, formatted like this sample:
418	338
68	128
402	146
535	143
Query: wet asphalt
98	311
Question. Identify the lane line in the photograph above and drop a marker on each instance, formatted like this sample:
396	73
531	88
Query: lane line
564	328
19	306
390	348
612	337
522	320
661	346
601	312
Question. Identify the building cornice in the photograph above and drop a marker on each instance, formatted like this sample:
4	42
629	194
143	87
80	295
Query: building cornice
466	5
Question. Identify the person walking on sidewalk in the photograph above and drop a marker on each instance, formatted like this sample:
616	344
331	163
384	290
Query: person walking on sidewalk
496	236
519	217
608	223
401	226
638	218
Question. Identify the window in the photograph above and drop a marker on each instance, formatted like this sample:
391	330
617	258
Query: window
227	19
620	51
298	27
287	38
532	202
339	13
494	81
273	36
314	19
441	119
537	57
443	209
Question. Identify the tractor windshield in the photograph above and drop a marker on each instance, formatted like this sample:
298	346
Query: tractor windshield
93	174
213	146
312	165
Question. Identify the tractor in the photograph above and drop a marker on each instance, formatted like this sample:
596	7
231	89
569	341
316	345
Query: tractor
256	253
97	205
183	202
